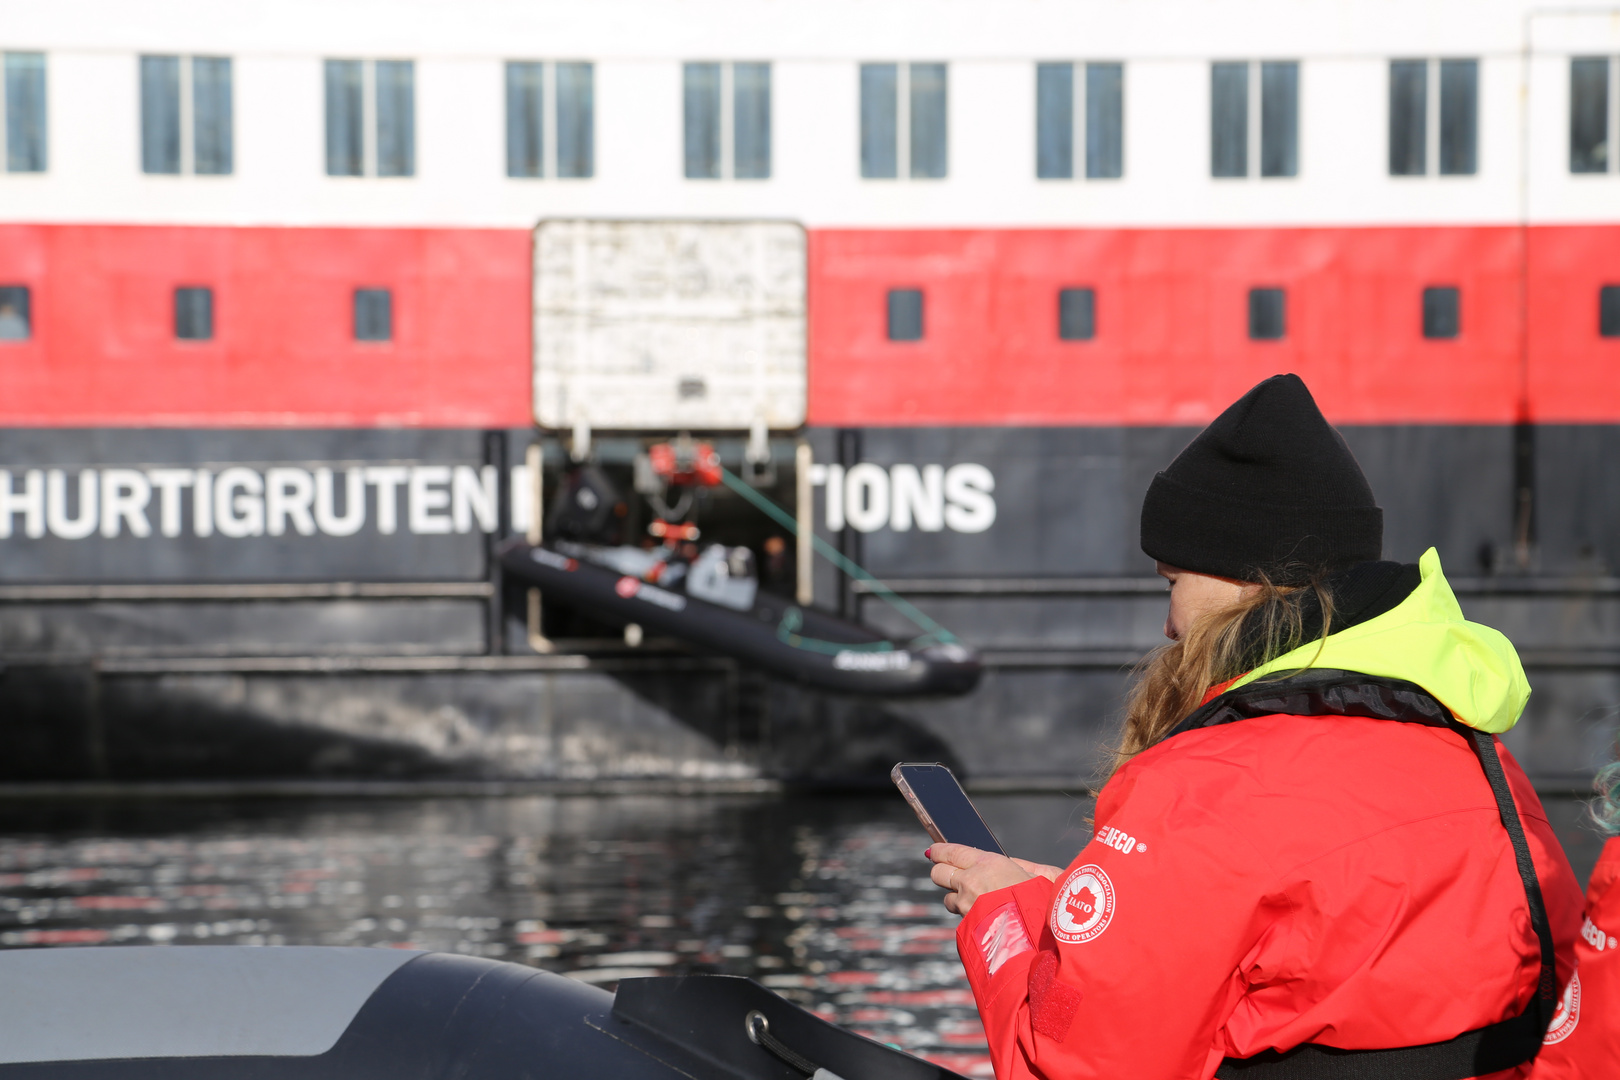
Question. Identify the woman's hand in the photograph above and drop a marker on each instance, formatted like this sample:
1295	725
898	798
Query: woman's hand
1039	869
967	873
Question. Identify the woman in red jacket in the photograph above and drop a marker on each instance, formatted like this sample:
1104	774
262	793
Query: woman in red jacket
1312	859
1584	1038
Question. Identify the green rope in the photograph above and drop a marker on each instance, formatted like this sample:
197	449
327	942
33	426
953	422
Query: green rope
935	631
787	632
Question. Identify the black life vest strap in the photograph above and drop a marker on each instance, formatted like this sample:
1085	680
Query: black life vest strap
1480	1052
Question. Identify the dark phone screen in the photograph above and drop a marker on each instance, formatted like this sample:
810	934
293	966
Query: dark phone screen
936	788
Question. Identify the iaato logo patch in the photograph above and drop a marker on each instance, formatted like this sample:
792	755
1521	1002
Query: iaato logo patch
1568	1013
1084	905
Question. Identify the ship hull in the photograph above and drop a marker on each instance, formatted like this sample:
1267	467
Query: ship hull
375	655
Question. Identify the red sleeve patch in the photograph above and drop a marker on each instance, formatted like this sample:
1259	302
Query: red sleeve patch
1052	1004
1002	936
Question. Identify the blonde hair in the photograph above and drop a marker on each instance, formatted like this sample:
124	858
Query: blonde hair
1171	681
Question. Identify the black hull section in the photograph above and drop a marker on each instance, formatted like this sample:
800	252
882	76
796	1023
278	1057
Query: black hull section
289	649
753	637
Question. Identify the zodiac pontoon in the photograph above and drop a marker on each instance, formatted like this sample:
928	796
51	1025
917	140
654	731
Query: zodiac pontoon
710	595
771	632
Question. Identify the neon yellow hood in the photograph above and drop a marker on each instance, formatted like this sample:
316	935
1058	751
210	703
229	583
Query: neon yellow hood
1472	669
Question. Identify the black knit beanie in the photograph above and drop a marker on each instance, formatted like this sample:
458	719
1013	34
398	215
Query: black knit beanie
1268	489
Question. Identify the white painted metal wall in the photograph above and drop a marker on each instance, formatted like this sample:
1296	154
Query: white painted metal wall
815	45
669	325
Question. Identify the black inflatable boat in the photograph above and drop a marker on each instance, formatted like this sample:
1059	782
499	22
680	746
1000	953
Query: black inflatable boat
772	633
224	1012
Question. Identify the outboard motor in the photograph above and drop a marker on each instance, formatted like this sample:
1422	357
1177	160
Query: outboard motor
222	1012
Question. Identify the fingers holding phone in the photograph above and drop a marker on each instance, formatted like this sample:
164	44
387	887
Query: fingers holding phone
968	859
967	873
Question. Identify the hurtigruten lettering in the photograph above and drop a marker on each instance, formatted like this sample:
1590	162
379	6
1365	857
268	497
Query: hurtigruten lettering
237	501
339	499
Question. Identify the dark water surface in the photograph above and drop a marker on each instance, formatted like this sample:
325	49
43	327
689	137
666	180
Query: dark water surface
825	899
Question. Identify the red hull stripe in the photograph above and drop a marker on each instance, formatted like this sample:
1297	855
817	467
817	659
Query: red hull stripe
1573	374
1172	342
284	354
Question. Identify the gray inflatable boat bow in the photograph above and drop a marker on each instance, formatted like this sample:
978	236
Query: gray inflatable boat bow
225	1012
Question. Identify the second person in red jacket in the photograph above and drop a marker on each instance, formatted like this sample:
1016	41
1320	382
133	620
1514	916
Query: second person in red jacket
1583	1040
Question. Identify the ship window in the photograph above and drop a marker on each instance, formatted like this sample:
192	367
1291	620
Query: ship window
1408	117
1077	314
576	120
880	111
528	152
373	315
1459	117
1105	121
1442	314
1279	118
525	125
701	112
375	135
1228	120
705	105
751	121
212	137
1054	121
1452	139
912	143
1268	314
160	114
168	147
396	118
928	126
194	313
1244	96
1608	309
905	314
1101	127
25	112
15	321
345	119
1589	114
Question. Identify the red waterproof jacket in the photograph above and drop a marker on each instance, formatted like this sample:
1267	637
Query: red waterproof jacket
1584	1040
1284	879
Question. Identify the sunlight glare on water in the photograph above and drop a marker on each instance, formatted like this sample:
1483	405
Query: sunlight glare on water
826	901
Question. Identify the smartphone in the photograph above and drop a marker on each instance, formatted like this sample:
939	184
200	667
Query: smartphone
942	806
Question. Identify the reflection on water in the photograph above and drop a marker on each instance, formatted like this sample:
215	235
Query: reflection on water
826	900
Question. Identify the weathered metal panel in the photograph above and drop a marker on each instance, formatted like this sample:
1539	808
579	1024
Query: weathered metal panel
664	325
